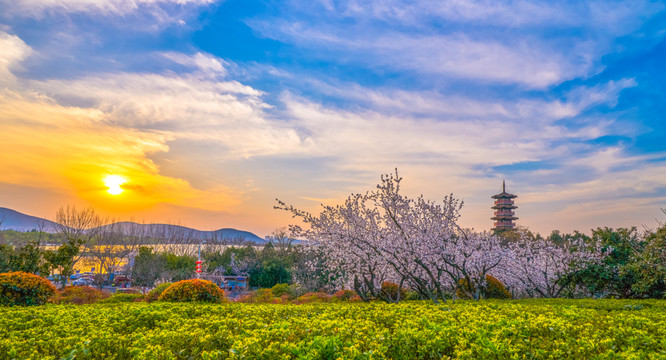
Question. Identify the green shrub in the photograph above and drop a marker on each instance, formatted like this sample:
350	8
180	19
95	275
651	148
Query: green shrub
193	290
280	289
155	293
413	295
122	298
24	289
494	289
79	295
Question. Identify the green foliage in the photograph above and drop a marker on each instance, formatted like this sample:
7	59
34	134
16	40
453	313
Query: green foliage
64	258
222	260
25	258
280	289
6	252
272	268
122	298
193	290
414	295
180	267
648	267
155	293
489	329
608	279
150	266
21	238
79	295
24	289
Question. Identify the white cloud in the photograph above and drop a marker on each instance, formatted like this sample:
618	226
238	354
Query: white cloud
608	93
14	50
191	106
534	44
203	62
506	13
37	8
526	60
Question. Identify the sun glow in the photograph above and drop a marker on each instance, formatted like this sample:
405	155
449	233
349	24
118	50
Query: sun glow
113	182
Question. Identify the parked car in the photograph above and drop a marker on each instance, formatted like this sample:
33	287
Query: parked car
82	282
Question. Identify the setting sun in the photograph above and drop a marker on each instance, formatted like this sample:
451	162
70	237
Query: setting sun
113	182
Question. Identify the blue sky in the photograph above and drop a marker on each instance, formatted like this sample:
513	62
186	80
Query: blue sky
212	109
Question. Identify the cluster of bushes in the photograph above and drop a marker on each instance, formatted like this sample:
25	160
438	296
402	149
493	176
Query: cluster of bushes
25	289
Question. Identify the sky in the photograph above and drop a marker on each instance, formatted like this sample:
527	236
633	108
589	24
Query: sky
210	109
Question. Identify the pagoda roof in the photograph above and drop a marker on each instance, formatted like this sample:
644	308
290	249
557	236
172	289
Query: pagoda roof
504	206
504	194
504	217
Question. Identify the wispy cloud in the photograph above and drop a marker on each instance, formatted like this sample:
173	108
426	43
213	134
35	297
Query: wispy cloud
40	8
534	44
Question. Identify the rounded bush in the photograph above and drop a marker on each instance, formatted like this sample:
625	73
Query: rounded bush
392	291
193	290
280	289
24	289
494	289
155	293
79	295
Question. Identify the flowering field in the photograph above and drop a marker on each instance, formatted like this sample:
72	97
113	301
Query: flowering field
525	329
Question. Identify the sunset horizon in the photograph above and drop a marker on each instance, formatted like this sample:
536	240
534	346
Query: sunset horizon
204	112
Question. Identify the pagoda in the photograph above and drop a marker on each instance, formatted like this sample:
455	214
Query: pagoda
504	214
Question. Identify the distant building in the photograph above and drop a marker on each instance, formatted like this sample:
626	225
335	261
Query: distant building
504	214
229	283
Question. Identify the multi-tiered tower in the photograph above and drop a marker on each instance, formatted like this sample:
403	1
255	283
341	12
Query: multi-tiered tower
504	214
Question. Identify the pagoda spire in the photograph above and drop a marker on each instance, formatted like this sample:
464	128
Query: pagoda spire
504	207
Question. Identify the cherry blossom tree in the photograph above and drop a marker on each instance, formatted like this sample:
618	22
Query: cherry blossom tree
539	268
383	235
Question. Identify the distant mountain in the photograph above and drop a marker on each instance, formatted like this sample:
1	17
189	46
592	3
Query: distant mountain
14	220
178	232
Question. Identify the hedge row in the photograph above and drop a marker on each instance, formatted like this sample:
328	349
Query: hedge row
491	329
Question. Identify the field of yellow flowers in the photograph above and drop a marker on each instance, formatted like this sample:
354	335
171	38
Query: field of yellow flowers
525	329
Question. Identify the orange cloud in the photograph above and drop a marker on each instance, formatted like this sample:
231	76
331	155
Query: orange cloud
70	150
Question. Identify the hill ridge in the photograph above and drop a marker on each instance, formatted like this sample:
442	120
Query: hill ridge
15	220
